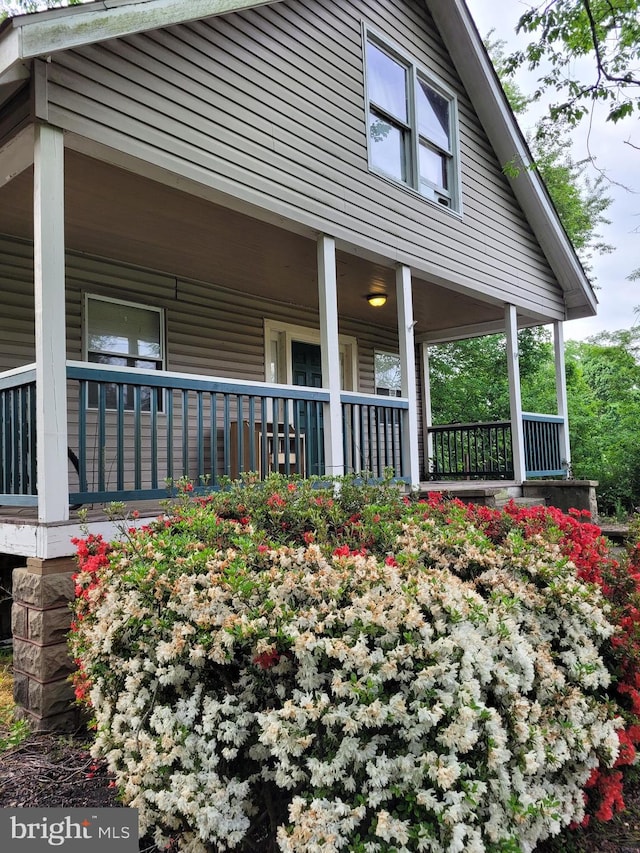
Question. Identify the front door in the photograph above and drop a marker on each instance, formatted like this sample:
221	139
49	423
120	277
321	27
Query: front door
306	363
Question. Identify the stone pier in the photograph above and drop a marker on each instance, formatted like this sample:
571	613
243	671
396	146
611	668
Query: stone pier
40	621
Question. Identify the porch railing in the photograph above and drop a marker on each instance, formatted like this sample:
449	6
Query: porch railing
18	436
542	445
483	451
373	434
137	431
472	451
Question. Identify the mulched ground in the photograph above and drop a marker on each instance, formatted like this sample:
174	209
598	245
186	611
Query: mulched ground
52	770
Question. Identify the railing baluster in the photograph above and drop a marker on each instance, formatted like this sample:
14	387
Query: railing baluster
83	396
185	432
101	435
213	439
170	466
226	437
153	426
120	435
137	441
200	437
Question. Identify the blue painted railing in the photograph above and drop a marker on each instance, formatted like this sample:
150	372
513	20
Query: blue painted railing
373	434
484	451
542	445
136	431
18	437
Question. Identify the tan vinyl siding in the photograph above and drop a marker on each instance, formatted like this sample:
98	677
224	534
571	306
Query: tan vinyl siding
268	106
210	331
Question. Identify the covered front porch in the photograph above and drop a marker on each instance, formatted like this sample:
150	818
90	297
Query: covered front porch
219	391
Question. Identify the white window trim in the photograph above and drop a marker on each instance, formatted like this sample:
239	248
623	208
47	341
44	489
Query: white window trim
141	305
287	333
415	68
85	336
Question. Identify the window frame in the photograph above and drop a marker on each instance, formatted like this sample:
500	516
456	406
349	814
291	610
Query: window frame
161	362
448	197
392	392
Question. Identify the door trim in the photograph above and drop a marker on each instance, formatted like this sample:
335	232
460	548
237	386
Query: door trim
285	333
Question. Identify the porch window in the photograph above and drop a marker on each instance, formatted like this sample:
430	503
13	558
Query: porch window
412	124
123	334
388	374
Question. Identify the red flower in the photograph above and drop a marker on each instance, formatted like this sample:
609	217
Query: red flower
267	659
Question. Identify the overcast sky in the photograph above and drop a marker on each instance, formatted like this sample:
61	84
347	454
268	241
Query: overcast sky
606	142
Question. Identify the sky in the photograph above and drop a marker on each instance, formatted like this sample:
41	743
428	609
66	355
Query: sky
607	144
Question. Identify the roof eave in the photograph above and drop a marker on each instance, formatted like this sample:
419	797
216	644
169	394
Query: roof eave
481	82
42	33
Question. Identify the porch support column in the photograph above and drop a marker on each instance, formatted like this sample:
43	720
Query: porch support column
330	349
427	413
49	284
411	461
561	395
515	399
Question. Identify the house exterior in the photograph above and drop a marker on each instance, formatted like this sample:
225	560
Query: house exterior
196	201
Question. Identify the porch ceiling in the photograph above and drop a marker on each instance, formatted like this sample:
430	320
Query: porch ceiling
118	215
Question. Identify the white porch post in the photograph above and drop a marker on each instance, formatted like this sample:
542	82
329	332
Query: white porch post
561	394
330	349
408	364
515	399
49	285
427	413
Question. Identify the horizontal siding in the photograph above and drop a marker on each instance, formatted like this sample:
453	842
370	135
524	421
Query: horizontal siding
211	331
268	105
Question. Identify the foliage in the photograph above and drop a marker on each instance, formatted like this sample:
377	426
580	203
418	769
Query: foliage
580	202
329	670
469	380
564	34
469	384
12	731
604	412
20	7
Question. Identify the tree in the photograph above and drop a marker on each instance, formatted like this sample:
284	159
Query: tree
605	33
19	7
580	202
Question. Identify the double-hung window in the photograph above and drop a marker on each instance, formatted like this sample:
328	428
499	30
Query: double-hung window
412	123
123	334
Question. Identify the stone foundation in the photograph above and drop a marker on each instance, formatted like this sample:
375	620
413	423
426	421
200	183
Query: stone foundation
40	621
565	494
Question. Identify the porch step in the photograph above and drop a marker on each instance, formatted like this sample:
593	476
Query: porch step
493	496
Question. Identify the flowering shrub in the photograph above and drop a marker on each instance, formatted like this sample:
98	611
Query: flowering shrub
282	667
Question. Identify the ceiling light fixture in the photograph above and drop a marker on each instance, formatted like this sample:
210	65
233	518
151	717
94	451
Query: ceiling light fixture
377	300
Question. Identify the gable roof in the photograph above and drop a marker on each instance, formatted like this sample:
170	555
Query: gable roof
40	34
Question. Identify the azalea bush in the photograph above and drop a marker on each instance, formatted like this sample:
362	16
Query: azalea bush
282	666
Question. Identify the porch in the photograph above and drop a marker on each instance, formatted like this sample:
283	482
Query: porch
90	413
133	433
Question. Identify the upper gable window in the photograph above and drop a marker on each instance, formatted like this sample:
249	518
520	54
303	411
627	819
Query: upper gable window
412	125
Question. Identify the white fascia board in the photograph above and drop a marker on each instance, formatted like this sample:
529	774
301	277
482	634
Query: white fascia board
47	32
11	66
465	46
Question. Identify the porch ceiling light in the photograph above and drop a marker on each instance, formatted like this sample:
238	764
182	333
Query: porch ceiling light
377	300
